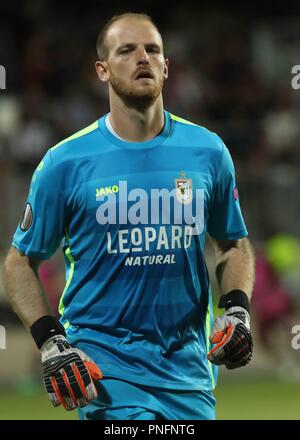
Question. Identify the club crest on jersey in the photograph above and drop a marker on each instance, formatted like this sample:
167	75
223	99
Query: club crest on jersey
184	190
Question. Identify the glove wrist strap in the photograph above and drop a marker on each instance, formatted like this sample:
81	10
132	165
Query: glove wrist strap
234	298
44	328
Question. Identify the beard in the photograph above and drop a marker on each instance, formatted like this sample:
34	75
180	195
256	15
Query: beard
134	94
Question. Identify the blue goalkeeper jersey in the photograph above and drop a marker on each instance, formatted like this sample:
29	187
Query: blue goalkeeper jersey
131	218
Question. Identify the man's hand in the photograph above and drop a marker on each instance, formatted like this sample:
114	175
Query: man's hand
68	373
231	334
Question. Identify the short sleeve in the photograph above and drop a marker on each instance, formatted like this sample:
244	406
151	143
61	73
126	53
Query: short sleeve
42	225
225	217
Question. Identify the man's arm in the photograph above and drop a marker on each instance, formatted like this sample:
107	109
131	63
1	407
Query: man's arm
23	287
68	373
231	332
235	265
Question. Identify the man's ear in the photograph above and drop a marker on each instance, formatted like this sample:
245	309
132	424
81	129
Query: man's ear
102	71
166	68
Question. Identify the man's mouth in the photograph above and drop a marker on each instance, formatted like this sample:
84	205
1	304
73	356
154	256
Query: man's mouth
144	74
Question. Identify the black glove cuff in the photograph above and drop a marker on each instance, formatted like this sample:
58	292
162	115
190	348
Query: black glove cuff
233	299
44	328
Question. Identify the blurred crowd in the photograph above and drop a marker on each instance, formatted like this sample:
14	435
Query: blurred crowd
231	73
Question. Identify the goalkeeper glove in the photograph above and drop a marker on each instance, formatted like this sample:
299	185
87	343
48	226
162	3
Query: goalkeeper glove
231	332
68	373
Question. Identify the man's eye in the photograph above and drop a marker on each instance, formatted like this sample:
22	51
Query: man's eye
153	50
124	51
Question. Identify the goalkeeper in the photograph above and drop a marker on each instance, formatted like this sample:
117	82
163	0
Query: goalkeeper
136	338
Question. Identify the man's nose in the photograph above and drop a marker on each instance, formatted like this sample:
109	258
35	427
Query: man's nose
142	57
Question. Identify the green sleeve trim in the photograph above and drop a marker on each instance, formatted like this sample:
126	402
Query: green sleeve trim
80	133
67	325
208	344
183	121
70	257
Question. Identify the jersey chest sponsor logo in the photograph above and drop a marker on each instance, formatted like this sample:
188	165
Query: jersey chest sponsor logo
152	244
176	218
144	239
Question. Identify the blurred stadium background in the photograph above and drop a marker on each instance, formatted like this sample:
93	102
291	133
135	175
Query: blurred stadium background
231	72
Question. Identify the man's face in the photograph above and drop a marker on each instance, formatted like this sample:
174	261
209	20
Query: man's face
135	67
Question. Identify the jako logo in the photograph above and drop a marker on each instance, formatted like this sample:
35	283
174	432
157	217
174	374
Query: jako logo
106	190
296	338
2	78
2	338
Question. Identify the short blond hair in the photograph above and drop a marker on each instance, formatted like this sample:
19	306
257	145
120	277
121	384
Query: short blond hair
101	46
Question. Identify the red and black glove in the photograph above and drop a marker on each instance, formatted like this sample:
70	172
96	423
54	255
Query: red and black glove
68	373
231	332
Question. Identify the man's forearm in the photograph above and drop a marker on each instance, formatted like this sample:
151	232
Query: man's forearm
24	289
236	268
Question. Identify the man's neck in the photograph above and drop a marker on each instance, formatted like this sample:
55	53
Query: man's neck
136	125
